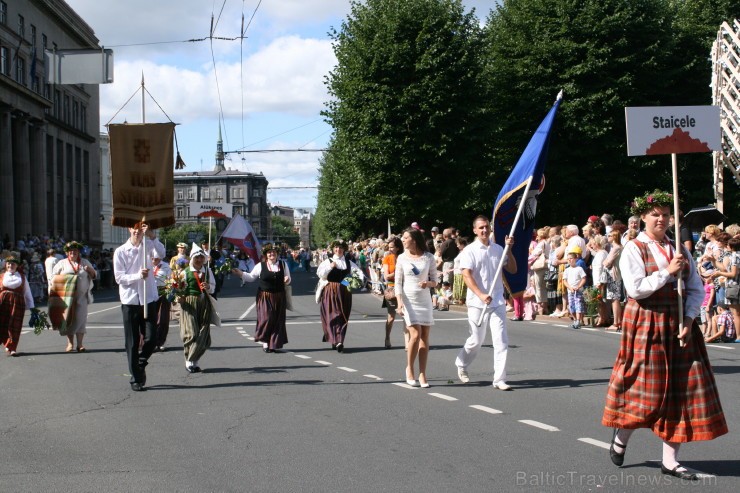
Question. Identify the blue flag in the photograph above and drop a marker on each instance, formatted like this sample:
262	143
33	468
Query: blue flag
530	164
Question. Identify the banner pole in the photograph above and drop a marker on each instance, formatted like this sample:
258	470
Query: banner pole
506	246
677	239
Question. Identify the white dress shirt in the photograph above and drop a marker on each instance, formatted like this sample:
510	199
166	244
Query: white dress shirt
14	280
639	286
482	261
257	270
127	265
325	267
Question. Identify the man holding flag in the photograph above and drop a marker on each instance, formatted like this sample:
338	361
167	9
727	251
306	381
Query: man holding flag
479	262
483	263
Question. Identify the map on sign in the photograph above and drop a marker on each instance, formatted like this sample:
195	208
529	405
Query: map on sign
672	130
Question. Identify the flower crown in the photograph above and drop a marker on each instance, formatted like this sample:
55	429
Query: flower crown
657	198
268	247
73	245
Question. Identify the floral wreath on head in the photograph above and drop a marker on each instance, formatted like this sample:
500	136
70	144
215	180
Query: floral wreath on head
657	198
12	260
268	247
72	245
339	243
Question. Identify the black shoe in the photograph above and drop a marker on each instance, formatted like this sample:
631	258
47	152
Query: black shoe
138	387
516	319
142	367
196	369
333	346
276	351
617	459
190	369
267	349
340	347
688	476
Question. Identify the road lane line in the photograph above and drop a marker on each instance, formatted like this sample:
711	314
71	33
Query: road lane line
104	310
243	315
540	323
302	356
537	424
598	443
374	377
442	396
322	362
486	409
344	368
404	385
561	325
711	346
590	329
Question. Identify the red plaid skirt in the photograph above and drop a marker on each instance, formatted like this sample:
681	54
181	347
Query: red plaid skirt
12	309
656	383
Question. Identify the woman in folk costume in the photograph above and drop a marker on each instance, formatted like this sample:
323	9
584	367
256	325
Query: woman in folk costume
162	272
335	296
662	379
196	309
15	297
273	276
70	295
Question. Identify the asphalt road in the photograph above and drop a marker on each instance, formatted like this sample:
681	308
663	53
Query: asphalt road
315	420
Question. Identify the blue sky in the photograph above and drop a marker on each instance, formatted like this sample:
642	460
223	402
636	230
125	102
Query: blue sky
270	85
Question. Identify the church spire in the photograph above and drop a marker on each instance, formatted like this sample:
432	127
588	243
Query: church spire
219	152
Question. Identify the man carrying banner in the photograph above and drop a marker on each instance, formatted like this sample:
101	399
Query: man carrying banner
131	270
479	262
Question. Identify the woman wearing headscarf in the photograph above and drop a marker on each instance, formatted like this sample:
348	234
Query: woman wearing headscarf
335	297
72	283
196	309
15	297
662	379
273	275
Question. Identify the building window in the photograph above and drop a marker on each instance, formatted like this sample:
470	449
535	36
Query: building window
256	228
190	194
44	42
75	114
58	103
47	91
179	195
67	109
33	39
20	70
206	194
3	13
219	194
83	117
255	209
180	212
21	26
4	61
256	192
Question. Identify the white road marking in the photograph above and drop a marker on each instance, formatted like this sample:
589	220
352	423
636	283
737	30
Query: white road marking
404	385
243	315
443	396
322	362
302	356
598	443
561	325
374	377
486	409
540	323
537	424
344	368
712	346
590	329
104	310
250	338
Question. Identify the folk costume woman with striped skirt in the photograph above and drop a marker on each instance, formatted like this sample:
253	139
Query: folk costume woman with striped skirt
195	319
662	379
335	298
273	276
15	297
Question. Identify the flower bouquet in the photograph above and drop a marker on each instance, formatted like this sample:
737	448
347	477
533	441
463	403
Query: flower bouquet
39	321
592	298
175	287
353	281
223	266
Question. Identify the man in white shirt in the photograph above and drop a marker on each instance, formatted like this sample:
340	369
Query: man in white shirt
571	233
131	264
479	262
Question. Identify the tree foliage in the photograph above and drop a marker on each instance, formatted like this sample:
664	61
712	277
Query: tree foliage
430	111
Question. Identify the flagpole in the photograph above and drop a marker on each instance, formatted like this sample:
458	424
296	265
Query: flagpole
506	245
677	236
143	219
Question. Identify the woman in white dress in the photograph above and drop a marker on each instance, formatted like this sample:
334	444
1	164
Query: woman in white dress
416	273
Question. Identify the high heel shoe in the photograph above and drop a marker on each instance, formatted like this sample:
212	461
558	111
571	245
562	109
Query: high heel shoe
617	459
412	383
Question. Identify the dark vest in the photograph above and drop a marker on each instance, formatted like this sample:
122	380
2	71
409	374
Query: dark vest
338	275
272	282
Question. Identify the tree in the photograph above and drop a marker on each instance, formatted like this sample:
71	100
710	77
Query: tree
284	232
179	233
409	118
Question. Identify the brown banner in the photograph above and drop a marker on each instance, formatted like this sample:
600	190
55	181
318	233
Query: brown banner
142	174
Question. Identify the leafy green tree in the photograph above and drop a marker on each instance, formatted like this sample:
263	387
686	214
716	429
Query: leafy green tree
283	231
172	235
409	118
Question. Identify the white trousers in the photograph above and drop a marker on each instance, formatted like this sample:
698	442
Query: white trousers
496	319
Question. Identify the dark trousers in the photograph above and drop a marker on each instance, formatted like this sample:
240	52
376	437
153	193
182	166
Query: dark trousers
134	327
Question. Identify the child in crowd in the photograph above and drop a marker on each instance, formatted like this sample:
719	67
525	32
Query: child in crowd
444	297
530	302
574	278
706	305
723	326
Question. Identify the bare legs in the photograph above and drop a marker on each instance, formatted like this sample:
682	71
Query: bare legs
418	345
71	341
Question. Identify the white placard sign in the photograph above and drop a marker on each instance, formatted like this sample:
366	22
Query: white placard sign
672	130
198	208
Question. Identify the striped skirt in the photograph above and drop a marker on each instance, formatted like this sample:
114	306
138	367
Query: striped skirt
336	305
195	326
657	384
12	308
271	319
459	289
